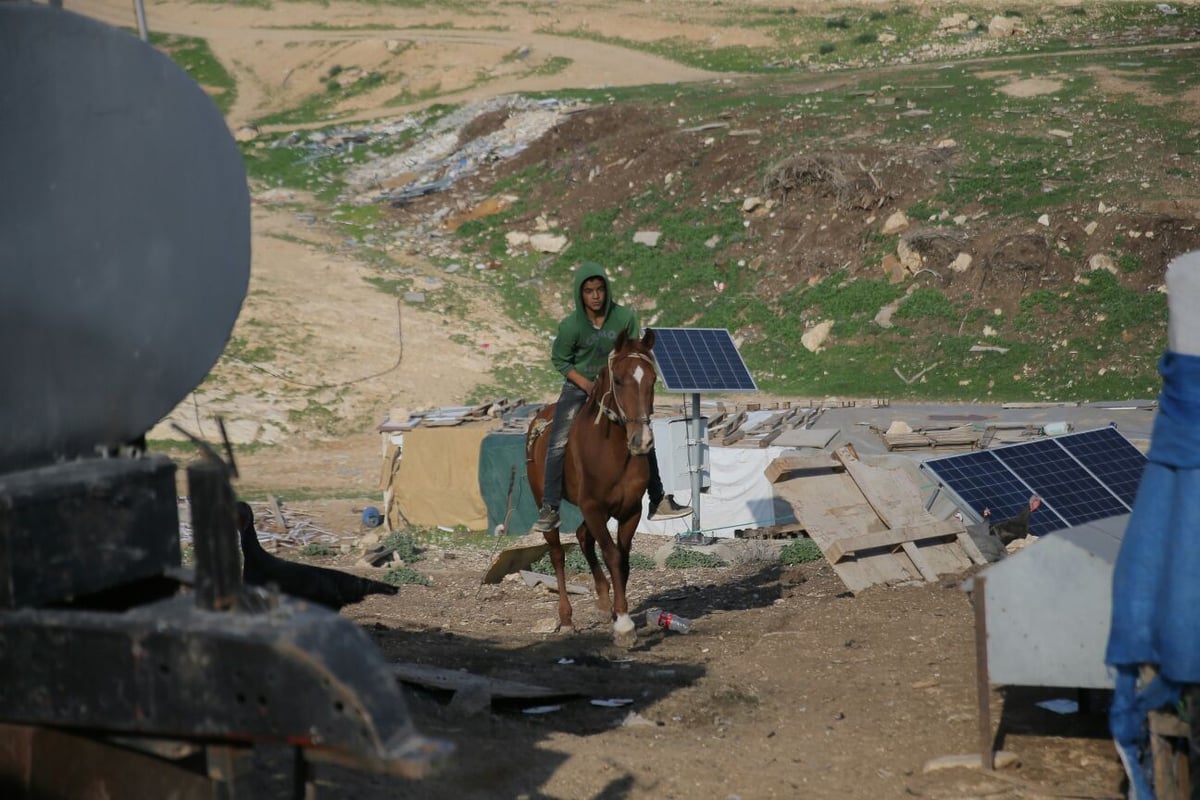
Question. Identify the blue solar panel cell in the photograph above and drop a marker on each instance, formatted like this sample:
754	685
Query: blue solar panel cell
983	481
1061	481
700	359
1080	477
1111	457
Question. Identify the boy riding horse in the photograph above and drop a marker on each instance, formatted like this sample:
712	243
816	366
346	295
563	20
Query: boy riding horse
581	348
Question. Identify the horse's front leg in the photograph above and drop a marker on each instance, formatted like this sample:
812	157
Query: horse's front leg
587	543
617	562
558	559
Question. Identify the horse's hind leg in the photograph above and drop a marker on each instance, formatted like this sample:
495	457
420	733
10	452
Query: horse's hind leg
587	543
558	559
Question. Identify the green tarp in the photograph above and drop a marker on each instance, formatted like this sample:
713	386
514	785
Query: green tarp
501	463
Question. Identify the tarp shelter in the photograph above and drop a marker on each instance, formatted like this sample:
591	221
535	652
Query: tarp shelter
435	480
501	464
1155	592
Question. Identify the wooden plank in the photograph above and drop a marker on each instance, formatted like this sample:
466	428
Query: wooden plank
919	561
785	464
898	536
731	438
896	499
454	680
830	507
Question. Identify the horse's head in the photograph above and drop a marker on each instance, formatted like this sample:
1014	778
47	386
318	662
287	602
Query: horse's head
631	376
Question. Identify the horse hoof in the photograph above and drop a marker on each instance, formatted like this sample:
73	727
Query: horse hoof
567	629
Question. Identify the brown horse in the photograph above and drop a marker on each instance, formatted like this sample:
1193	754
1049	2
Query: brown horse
605	471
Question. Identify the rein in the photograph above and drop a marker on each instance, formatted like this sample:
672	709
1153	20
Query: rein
618	416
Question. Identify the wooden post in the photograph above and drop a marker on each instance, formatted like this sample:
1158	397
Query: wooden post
982	684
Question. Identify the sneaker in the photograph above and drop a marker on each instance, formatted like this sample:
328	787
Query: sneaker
667	508
547	520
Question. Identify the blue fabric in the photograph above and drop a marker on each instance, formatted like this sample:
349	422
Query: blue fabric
1156	580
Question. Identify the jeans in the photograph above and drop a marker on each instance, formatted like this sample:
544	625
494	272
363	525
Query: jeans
570	400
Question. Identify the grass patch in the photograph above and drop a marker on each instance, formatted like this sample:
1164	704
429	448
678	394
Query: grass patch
319	549
801	551
684	558
195	57
404	576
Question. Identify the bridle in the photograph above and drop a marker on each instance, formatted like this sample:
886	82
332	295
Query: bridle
619	416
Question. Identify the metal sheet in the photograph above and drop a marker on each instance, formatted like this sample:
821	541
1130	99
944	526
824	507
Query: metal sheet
1049	607
124	235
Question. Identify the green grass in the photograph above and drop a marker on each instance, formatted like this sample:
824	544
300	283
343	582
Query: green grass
801	551
195	57
404	576
684	558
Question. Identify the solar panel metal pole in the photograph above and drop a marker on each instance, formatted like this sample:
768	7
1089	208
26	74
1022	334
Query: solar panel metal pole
696	465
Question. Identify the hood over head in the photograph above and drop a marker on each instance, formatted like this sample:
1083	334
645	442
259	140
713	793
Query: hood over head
586	271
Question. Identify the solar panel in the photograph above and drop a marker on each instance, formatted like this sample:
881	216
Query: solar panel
1080	477
700	360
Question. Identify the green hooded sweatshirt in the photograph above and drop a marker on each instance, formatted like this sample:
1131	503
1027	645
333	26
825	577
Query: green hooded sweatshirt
579	345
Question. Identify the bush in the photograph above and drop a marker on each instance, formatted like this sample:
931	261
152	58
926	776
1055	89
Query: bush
801	551
398	576
319	549
826	48
682	558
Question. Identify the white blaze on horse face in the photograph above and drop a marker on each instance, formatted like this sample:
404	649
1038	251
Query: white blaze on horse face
638	374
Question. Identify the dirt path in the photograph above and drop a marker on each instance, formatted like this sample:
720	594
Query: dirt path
257	47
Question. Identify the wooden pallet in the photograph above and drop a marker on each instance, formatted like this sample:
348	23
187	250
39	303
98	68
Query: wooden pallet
871	522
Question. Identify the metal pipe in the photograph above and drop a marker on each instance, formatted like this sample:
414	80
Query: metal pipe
139	10
696	448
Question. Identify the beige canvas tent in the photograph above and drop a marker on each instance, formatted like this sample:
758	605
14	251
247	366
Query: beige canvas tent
433	479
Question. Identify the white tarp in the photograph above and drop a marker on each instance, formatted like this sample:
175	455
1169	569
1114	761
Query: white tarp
740	495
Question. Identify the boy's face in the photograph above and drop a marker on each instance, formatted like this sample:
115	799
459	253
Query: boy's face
594	294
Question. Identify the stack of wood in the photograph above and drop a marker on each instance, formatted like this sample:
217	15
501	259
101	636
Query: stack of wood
453	415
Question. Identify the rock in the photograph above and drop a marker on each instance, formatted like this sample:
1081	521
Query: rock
1103	209
393	45
945	144
955	23
1090	228
1060	133
548	242
712	241
895	223
815	336
1003	27
962	263
636	720
893	268
886	38
910	259
751	203
246	133
1001	759
516	239
414	297
899	426
648	238
1044	219
1102	261
277	195
884	317
545	625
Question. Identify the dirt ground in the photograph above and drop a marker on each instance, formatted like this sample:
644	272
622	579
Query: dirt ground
788	687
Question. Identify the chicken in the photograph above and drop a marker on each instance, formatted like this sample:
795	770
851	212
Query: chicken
1013	528
327	587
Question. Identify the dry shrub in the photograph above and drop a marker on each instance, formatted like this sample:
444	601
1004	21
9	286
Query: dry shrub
841	176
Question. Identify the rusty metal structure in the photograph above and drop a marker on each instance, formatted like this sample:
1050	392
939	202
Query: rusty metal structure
124	260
